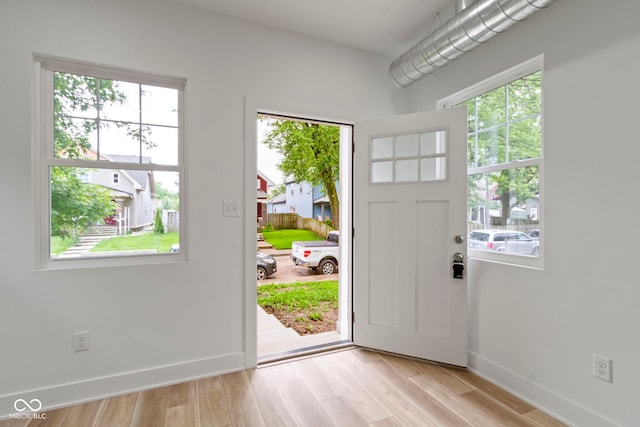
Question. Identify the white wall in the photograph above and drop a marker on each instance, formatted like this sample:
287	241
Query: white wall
162	323
535	331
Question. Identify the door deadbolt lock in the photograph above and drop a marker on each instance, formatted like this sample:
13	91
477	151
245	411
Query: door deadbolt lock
458	265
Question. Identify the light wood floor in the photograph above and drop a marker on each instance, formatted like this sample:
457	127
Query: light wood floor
353	387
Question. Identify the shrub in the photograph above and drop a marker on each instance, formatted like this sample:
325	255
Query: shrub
158	226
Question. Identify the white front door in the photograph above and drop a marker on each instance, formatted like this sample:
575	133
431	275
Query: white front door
409	209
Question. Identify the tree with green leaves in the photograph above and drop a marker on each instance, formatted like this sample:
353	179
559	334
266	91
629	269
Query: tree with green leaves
504	126
277	190
75	203
170	200
311	152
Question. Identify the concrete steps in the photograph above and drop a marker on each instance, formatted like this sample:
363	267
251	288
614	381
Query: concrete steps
89	240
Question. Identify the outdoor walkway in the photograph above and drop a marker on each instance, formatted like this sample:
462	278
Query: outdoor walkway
274	339
89	239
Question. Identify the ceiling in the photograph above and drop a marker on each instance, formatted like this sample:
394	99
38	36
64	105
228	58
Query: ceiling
387	27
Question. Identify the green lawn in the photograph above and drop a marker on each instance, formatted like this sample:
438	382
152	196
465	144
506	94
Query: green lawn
161	242
308	308
60	244
298	296
282	239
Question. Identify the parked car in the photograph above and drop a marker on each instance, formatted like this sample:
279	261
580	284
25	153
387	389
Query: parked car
504	241
318	254
266	266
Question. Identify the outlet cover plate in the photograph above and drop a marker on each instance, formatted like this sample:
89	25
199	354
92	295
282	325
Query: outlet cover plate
602	368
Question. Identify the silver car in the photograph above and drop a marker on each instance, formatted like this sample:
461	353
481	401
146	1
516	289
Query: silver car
504	241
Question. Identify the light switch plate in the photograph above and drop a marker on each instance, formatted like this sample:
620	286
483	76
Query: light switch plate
230	208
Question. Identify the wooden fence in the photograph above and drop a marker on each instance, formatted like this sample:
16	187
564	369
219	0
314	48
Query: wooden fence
293	220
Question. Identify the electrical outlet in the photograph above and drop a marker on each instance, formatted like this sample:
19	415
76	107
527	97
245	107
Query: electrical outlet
80	341
602	368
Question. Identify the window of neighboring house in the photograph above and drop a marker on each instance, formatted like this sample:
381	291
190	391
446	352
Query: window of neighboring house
102	126
505	159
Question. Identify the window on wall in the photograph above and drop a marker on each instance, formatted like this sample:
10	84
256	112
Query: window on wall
505	159
110	164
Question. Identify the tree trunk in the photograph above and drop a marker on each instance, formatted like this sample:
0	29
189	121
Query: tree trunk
505	201
334	202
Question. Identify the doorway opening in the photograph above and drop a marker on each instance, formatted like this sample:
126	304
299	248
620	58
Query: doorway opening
303	290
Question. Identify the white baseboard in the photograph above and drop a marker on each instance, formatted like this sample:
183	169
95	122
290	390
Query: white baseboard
78	392
546	400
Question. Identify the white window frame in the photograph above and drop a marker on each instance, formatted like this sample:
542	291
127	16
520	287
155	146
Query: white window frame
515	73
43	159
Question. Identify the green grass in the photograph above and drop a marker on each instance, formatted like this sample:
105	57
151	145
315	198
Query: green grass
282	239
298	296
60	244
161	242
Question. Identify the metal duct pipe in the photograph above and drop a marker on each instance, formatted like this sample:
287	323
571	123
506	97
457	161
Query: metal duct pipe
462	5
475	24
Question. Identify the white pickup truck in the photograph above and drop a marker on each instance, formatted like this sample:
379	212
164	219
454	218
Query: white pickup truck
318	254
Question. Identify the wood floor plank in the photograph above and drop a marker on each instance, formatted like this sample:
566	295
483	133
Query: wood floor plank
309	371
387	422
496	412
464	408
86	414
181	416
14	422
348	383
285	372
53	418
118	411
393	400
494	391
365	355
273	405
544	419
181	394
436	372
342	413
417	396
150	408
305	407
243	405
353	387
213	408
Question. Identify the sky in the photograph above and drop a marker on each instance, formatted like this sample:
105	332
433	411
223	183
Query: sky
268	159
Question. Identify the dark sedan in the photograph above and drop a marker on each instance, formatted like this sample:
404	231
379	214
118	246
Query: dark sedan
266	264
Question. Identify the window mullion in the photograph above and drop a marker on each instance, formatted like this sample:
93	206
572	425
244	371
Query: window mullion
504	166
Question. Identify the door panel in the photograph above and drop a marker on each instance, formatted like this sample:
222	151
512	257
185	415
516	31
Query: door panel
409	204
383	289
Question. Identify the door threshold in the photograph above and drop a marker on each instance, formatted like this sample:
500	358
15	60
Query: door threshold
269	359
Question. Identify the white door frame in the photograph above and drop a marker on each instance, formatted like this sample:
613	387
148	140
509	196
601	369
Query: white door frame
254	106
